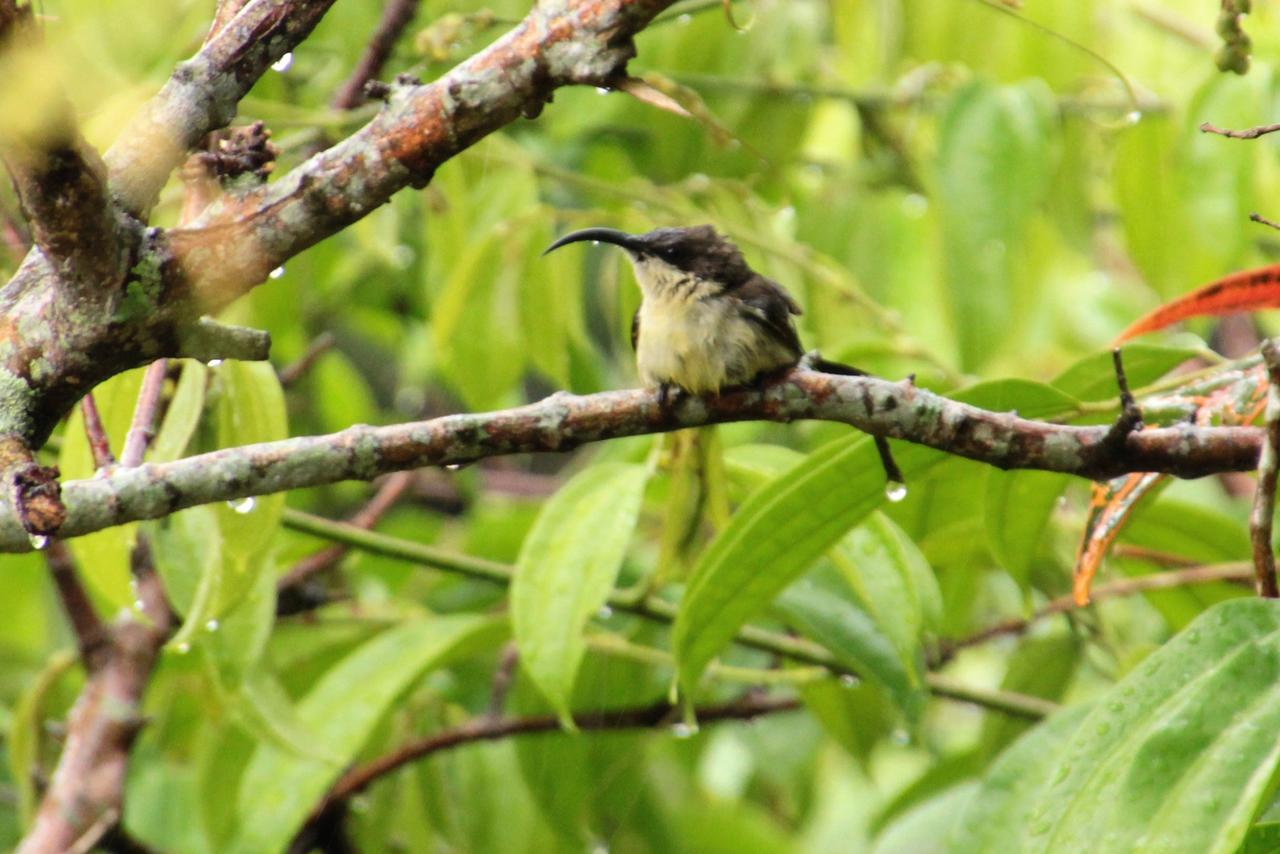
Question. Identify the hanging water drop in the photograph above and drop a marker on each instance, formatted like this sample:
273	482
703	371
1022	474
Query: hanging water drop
213	363
1133	117
211	626
182	648
600	90
895	491
605	612
276	273
38	542
684	730
283	63
244	505
453	466
848	680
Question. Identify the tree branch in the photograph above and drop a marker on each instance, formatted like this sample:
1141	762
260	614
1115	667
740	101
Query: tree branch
203	92
396	15
656	610
60	180
234	245
1263	514
563	422
1186	576
491	729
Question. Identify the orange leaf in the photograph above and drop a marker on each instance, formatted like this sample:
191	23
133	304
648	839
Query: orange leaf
1248	290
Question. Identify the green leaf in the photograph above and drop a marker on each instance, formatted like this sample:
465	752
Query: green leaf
995	158
25	728
567	566
999	814
781	529
1094	377
104	556
340	394
280	788
183	414
1181	753
1039	667
892	580
1018	507
250	409
776	535
816	608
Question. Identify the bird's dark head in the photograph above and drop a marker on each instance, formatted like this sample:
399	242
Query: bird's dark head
698	251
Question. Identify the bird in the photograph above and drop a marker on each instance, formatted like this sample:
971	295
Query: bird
706	320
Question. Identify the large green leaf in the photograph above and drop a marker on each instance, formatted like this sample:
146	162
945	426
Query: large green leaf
1180	754
250	409
1000	811
819	609
182	414
566	568
782	528
280	788
104	556
777	534
995	157
1094	376
1018	506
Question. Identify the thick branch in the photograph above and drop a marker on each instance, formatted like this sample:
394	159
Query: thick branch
60	180
562	42
563	422
202	94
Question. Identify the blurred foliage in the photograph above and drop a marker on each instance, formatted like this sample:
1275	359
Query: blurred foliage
950	192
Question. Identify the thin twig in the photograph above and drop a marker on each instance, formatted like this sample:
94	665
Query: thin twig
1264	498
99	443
386	497
1247	133
142	428
396	16
503	678
656	610
490	729
1115	589
1259	218
295	371
90	632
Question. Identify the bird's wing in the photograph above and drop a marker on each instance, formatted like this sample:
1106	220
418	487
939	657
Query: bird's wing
770	305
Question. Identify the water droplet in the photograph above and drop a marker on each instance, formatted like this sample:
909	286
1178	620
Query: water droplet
38	541
848	680
900	736
182	648
213	363
600	90
684	20
244	505
211	626
453	466
915	205
895	491
284	63
1133	117
605	612
276	273
139	605
684	730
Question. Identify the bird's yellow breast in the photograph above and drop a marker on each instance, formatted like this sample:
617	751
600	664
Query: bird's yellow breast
701	341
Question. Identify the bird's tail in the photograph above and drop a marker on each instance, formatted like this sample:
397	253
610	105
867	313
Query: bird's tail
891	471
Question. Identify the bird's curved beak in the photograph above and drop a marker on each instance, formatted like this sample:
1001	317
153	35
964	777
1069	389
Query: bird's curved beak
630	242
